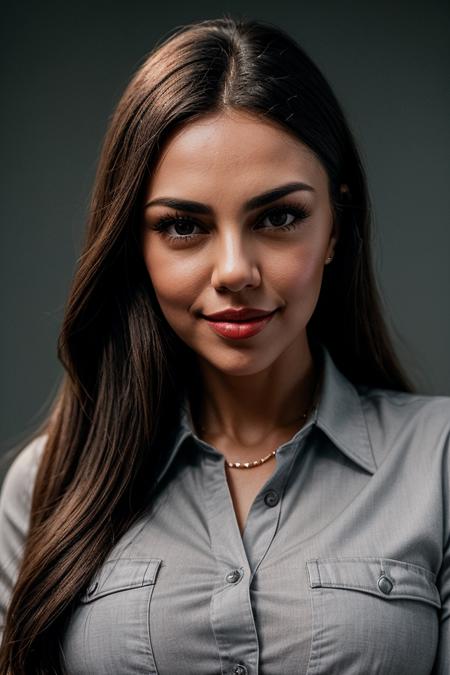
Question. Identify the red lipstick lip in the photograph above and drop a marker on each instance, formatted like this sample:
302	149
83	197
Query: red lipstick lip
242	314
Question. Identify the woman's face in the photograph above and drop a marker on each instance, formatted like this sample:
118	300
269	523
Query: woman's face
225	252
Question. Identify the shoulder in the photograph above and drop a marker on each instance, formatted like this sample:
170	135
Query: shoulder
17	487
15	503
24	467
400	406
408	420
404	400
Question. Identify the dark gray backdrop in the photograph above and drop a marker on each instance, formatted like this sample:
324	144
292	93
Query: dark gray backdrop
65	66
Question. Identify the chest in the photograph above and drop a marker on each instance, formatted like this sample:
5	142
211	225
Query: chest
304	590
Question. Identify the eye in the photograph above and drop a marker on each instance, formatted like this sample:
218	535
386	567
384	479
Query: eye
182	223
278	215
284	217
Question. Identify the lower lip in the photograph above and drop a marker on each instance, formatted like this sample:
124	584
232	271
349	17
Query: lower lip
238	330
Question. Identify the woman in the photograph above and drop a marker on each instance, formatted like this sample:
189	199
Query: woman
237	476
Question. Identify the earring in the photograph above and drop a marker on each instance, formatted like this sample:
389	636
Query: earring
328	260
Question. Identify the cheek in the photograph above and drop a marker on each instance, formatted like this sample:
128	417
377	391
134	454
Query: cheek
174	279
299	275
294	274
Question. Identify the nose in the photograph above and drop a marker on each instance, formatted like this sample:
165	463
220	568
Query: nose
235	264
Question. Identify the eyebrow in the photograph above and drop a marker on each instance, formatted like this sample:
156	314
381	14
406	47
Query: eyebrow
253	203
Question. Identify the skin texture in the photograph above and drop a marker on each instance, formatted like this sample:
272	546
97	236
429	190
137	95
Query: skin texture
254	389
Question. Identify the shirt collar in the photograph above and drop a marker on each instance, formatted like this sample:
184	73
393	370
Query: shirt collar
339	415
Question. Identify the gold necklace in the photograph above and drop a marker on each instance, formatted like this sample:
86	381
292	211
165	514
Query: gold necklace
258	462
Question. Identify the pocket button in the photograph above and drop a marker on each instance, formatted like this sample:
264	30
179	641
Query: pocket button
385	585
239	669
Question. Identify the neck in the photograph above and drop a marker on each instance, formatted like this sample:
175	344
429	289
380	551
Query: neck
249	409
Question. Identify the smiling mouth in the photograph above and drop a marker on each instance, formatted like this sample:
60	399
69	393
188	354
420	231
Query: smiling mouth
255	320
242	315
239	329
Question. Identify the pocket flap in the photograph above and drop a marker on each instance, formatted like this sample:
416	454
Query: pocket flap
384	577
121	574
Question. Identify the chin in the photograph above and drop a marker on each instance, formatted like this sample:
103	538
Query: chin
239	363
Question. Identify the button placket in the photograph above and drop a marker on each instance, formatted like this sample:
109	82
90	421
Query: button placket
230	608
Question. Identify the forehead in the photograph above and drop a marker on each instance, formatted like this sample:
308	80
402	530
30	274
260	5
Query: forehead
232	152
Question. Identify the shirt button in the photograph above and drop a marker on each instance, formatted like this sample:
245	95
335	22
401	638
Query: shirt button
92	588
385	585
271	498
233	576
239	669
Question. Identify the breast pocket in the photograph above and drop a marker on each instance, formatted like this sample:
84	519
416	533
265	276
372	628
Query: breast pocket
372	615
109	632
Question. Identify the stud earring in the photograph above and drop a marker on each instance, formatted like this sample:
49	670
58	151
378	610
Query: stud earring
328	260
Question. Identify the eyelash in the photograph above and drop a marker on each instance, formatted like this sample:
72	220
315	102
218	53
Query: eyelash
298	210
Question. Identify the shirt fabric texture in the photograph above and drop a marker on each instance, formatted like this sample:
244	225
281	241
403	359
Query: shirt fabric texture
343	567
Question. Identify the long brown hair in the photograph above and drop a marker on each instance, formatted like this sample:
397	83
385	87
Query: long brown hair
124	366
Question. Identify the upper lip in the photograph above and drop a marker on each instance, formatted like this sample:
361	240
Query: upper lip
233	314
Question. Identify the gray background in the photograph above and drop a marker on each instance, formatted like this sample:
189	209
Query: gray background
64	67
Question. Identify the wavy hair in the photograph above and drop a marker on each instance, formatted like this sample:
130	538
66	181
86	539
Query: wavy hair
123	364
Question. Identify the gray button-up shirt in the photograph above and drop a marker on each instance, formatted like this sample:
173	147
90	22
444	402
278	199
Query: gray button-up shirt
343	566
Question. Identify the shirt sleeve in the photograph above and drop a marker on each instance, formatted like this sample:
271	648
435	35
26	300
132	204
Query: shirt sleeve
442	662
15	503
